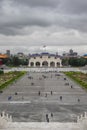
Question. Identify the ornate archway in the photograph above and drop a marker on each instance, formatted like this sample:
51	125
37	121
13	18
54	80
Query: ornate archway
52	64
32	64
45	63
58	64
37	64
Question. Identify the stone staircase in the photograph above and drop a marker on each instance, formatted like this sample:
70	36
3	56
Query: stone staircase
6	123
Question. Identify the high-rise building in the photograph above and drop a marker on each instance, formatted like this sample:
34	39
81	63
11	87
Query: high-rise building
70	51
8	52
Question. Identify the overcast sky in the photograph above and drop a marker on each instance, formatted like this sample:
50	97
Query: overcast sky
30	24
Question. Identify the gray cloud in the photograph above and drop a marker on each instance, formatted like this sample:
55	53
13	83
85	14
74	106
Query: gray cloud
48	21
38	3
18	14
74	6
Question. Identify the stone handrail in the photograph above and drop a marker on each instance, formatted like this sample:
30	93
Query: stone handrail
82	117
6	122
4	119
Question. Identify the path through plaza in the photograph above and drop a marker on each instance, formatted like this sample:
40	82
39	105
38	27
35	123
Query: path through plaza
37	97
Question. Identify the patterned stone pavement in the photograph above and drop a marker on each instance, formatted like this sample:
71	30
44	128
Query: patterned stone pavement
36	96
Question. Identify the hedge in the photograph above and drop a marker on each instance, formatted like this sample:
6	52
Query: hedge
74	76
8	82
1	71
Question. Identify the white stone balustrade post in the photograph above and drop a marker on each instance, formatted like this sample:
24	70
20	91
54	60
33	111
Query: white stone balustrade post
3	114
10	118
85	114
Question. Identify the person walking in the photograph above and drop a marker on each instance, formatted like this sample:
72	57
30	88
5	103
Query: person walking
47	118
51	92
61	98
51	114
46	95
78	100
39	93
71	86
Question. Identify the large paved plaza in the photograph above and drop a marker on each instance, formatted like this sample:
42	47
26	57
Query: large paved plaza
38	95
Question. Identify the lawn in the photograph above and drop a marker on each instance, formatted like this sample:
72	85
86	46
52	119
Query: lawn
79	77
10	77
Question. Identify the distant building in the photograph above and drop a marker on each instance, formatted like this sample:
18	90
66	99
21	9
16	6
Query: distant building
20	55
85	56
3	56
8	53
70	54
45	60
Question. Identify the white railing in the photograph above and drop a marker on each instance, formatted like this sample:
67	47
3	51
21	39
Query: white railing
6	122
82	117
4	119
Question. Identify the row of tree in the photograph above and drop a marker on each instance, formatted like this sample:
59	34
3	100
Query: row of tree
75	62
1	71
15	61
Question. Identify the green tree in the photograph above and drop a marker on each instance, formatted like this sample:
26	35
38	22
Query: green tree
16	61
77	61
65	61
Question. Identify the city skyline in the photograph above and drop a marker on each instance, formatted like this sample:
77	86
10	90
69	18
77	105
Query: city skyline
81	50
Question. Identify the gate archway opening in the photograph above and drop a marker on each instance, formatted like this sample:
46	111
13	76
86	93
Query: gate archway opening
52	64
45	63
32	64
37	64
58	64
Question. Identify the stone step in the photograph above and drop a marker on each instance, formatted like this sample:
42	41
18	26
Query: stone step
42	126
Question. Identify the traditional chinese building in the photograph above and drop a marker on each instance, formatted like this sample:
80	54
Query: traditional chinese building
45	60
2	56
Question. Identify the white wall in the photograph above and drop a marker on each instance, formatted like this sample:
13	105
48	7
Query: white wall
44	58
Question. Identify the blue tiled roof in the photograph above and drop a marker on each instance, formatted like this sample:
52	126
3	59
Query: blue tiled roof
85	54
44	53
52	55
35	55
